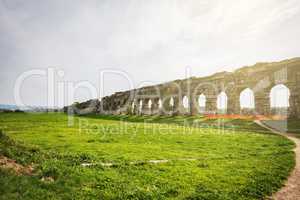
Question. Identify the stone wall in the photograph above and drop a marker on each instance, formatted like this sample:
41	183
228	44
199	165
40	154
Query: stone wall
260	78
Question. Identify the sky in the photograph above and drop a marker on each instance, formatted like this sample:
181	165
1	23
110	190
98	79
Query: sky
98	47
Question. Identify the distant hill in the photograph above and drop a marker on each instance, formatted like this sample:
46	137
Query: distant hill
27	108
9	107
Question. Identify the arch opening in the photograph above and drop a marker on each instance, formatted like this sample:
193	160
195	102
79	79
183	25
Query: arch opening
280	100
247	99
185	102
279	96
171	103
140	106
202	103
159	104
222	103
149	104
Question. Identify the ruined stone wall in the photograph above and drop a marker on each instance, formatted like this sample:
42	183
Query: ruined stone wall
260	78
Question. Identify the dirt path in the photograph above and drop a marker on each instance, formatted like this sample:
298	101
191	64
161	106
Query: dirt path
291	190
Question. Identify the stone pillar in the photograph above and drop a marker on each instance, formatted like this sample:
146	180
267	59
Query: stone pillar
193	107
233	103
298	107
262	103
150	110
128	110
175	109
154	108
294	109
134	109
145	107
165	106
211	104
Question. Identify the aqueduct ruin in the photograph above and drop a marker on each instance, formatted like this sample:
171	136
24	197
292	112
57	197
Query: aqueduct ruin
207	94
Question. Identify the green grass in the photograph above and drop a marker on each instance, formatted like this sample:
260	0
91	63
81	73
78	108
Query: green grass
237	161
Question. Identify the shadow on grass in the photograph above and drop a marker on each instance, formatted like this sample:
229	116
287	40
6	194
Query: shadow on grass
198	121
285	126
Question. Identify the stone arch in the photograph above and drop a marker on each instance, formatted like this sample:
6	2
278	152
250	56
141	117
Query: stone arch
202	103
279	96
247	99
185	102
222	101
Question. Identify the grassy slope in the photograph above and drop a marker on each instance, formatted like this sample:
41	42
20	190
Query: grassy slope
231	164
294	126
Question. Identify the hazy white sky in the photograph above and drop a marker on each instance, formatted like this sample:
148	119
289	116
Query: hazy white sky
152	41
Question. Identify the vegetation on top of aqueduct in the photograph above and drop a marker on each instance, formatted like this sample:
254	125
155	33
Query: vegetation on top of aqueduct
96	159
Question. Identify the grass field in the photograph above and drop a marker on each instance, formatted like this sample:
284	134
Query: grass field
122	157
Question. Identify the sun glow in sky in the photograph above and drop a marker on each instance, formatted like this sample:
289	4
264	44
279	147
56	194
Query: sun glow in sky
148	41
